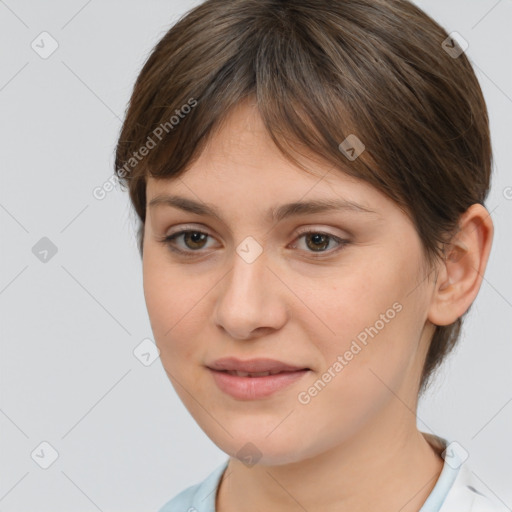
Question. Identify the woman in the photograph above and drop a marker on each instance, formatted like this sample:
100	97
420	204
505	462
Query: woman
310	179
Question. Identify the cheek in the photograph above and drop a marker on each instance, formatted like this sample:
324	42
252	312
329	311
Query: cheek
358	380
349	300
173	303
369	319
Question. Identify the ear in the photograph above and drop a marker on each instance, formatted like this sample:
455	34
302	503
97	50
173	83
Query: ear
461	272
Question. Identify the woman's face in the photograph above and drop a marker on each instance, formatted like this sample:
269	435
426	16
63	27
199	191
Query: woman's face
350	315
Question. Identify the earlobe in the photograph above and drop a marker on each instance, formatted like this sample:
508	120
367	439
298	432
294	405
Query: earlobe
461	272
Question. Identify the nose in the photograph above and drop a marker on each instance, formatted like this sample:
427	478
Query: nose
252	299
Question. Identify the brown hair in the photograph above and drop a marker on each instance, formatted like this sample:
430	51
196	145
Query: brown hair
319	71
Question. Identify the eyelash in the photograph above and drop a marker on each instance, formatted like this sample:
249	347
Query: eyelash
170	239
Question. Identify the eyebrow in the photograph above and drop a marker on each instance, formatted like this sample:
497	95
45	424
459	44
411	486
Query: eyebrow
274	214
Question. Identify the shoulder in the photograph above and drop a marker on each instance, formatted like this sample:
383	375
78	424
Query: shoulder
469	494
199	497
182	502
459	489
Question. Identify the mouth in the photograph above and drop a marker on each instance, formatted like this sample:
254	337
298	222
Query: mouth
238	373
256	378
260	367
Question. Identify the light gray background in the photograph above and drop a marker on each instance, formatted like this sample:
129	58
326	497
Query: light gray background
69	326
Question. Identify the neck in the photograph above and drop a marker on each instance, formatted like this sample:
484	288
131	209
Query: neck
387	469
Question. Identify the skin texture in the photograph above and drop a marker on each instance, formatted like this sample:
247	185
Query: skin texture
355	445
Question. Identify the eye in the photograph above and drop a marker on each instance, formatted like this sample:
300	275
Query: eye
193	239
319	241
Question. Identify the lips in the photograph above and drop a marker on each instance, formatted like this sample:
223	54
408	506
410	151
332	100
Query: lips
254	379
251	374
261	367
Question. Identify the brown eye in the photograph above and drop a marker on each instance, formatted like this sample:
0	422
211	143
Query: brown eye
320	243
317	241
193	241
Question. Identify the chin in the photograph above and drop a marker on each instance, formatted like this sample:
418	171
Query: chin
252	444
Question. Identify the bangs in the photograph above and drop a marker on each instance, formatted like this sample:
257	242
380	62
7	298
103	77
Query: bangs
321	80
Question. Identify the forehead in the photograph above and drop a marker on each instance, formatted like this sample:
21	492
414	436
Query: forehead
241	165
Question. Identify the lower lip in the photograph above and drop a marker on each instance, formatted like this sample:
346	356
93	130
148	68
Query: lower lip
254	388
